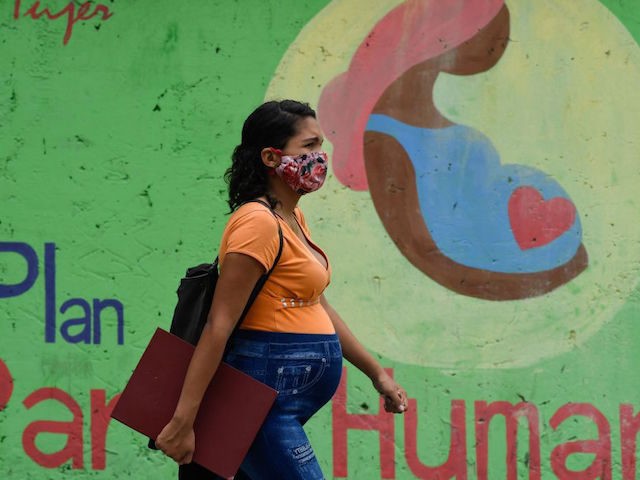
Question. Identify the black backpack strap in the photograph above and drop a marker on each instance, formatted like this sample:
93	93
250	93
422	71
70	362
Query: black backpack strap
265	276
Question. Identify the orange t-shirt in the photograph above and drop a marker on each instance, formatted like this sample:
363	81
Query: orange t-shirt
289	302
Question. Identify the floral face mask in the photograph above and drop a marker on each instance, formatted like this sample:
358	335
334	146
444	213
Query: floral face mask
304	173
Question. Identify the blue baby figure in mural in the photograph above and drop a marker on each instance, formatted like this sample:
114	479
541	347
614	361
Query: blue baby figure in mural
477	226
471	203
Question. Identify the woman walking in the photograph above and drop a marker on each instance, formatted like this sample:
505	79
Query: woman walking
291	338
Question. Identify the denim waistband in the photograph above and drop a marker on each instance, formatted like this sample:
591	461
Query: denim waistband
257	343
279	337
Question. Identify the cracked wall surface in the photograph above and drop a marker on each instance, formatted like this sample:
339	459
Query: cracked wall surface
117	121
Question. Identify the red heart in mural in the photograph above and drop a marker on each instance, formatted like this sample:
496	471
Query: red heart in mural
535	221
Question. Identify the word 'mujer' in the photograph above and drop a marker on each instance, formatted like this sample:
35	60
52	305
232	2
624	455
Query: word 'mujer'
83	12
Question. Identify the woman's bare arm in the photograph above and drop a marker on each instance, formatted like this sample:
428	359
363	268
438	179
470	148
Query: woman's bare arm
237	279
355	353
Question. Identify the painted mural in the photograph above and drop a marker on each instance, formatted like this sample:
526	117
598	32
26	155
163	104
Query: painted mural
480	215
484	229
471	176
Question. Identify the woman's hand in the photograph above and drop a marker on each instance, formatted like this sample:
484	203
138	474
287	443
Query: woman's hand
178	441
395	398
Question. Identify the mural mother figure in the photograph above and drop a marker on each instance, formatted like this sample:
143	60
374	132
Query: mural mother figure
474	225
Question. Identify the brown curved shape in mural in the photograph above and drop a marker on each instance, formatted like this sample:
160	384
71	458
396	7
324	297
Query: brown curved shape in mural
392	179
396	201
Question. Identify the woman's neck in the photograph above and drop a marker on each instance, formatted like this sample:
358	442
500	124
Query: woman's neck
287	199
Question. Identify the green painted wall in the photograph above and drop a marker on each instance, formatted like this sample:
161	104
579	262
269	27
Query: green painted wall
112	151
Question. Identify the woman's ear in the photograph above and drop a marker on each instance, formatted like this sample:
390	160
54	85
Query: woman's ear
270	157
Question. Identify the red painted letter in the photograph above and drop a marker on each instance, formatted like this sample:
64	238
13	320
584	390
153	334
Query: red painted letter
484	414
383	422
33	11
106	14
73	429
601	448
629	427
82	15
100	416
456	465
6	385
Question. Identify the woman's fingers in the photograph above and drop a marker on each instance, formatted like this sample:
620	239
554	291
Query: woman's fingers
403	400
396	402
395	397
177	443
185	458
179	455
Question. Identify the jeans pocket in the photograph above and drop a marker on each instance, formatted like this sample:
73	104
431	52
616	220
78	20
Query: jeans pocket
296	377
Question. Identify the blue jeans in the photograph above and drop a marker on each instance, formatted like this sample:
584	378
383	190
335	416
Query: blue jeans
305	370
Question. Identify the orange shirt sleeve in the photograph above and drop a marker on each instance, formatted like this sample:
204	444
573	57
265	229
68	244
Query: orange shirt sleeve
254	233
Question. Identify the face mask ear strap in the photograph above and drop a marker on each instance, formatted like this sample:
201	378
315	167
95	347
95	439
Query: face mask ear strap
277	151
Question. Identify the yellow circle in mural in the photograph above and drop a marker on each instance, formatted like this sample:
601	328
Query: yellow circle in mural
562	99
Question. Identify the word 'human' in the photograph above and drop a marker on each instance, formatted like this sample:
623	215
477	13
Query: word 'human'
83	12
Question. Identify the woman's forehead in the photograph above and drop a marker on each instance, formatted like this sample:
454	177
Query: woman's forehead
308	128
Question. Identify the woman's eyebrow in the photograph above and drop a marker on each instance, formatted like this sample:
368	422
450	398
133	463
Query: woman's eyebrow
312	139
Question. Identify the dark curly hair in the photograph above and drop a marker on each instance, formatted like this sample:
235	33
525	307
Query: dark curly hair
272	124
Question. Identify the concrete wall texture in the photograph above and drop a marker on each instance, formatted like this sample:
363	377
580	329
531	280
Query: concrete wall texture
481	222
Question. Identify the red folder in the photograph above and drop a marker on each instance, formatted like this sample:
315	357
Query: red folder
232	410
